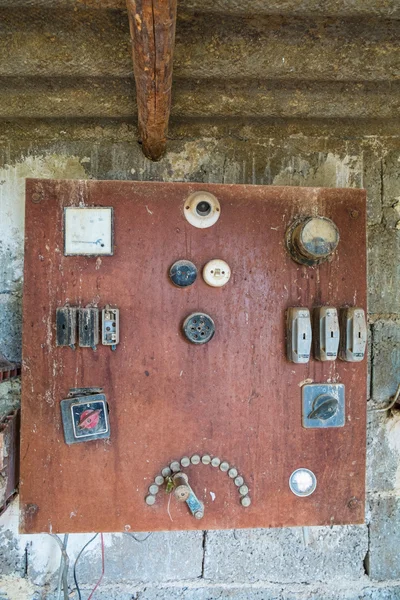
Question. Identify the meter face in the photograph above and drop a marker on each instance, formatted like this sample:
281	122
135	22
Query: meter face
88	231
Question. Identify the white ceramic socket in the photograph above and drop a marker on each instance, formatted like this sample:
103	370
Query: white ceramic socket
202	218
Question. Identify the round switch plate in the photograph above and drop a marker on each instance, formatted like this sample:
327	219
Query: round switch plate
199	328
183	273
313	240
216	273
202	209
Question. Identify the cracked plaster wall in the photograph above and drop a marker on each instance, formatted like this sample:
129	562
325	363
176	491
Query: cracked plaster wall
343	562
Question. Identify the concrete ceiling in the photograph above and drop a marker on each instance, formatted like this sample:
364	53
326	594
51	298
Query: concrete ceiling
303	59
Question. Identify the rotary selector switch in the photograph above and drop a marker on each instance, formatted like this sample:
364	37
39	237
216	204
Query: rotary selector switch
183	273
199	328
313	240
324	407
216	272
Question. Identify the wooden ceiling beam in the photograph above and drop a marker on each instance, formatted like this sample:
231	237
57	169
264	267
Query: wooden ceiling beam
152	25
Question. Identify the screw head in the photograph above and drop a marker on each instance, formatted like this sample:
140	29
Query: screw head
353	503
36	198
243	490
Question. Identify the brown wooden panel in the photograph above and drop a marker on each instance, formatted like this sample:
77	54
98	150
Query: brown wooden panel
236	397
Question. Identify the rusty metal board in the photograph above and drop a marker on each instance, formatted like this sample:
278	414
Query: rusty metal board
236	397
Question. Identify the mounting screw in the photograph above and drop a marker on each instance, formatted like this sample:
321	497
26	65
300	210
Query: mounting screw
353	503
36	198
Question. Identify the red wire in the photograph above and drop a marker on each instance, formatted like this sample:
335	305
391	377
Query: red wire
102	568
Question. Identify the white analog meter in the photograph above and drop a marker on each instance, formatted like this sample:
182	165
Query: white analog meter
88	231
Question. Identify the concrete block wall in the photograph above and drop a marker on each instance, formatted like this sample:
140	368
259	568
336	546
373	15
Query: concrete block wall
352	562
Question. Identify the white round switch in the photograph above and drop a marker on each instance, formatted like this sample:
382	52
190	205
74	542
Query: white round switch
216	272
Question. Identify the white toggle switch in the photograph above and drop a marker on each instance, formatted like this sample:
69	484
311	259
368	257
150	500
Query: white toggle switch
354	334
216	272
298	331
326	333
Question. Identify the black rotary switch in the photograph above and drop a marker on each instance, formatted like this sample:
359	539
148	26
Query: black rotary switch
199	328
183	273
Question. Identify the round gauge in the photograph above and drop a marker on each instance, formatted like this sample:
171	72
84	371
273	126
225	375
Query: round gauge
313	240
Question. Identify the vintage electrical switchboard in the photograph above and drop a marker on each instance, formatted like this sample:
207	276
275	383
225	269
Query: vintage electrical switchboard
193	356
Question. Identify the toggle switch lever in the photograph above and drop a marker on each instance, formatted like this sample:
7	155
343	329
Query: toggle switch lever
184	493
182	489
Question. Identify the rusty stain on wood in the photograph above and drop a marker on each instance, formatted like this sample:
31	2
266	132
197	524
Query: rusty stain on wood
152	26
236	397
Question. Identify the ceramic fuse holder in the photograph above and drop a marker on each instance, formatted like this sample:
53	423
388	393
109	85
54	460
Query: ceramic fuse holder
353	328
326	333
298	332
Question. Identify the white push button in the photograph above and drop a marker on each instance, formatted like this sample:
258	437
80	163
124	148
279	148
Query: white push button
216	273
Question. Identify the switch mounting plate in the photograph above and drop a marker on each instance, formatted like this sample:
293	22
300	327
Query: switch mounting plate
236	397
311	393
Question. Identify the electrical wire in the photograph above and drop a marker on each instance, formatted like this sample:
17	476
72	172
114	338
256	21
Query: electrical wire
102	568
132	535
76	562
64	566
390	405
